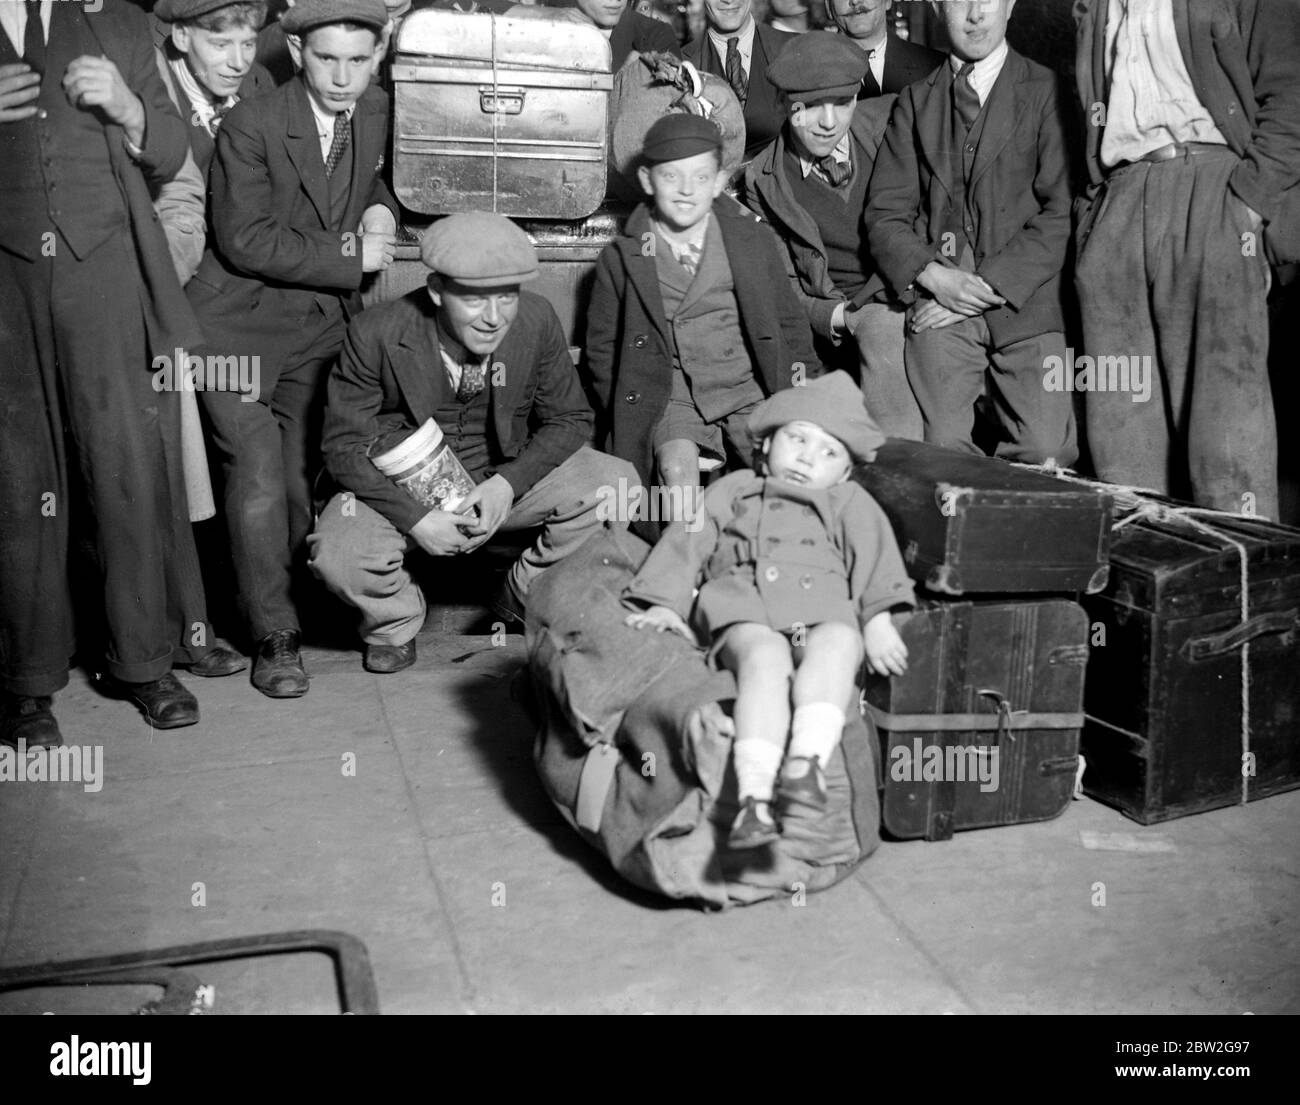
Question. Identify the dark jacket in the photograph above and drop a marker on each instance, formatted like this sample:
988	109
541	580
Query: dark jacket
629	358
538	416
1020	191
767	191
764	108
123	34
905	62
638	32
1244	60
271	246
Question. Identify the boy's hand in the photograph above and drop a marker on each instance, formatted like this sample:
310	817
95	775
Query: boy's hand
660	618
959	290
20	86
493	497
377	249
439	533
91	82
886	653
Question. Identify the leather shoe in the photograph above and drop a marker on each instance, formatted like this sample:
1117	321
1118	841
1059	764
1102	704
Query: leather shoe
28	718
165	703
505	604
277	668
217	662
385	659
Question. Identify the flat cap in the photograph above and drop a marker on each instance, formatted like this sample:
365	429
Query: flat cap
673	137
306	14
479	250
819	65
833	402
178	11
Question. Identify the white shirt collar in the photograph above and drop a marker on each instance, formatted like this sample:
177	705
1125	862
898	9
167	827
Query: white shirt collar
985	73
745	45
840	153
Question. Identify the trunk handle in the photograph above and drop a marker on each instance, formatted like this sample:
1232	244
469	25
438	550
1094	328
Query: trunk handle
1216	644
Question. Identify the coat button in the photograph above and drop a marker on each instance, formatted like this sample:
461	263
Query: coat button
640	341
775	505
42	113
774	540
807	541
806	582
771	574
632	396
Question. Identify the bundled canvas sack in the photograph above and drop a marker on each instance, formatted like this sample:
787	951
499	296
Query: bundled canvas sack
635	748
649	86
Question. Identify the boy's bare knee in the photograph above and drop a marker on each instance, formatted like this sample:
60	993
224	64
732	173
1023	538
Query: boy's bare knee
836	639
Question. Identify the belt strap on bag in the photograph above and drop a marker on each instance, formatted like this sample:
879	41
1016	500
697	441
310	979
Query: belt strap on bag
983	723
1142	508
594	783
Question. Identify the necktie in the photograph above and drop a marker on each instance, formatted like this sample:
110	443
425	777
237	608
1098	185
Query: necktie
34	39
472	378
736	71
688	256
837	172
964	97
222	110
870	86
342	135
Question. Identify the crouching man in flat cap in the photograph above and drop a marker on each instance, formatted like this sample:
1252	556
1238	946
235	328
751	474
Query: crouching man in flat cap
811	185
489	363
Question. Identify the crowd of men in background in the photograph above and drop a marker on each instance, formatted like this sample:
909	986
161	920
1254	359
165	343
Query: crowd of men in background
201	183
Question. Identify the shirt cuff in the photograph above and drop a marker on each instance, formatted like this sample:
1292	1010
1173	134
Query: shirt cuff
132	149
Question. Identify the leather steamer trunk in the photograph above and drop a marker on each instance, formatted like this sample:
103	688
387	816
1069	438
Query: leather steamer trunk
970	524
983	729
499	114
1193	699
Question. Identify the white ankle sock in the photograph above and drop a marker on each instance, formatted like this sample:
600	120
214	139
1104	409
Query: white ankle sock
757	763
816	731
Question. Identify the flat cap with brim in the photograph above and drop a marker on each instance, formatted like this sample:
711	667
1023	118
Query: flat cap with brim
819	65
179	11
680	135
306	14
833	402
479	250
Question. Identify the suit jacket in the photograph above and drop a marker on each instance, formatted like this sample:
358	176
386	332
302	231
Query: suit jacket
767	191
638	32
906	62
537	415
272	247
764	109
123	35
629	357
1244	60
1019	189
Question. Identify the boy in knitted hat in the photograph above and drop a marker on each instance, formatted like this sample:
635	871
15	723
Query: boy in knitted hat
692	319
798	573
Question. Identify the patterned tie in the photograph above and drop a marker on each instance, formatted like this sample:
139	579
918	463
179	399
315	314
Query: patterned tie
964	97
342	135
472	379
688	256
34	40
837	172
736	71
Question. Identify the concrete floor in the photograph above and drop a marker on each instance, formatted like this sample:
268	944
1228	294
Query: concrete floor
444	815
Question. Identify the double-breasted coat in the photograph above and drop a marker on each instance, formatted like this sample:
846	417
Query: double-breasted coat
778	554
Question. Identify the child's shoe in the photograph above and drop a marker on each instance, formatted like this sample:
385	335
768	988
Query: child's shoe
754	825
808	788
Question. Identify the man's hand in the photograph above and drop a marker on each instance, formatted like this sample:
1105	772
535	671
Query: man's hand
660	618
91	82
20	85
439	533
930	314
493	497
886	653
377	219
958	290
377	250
